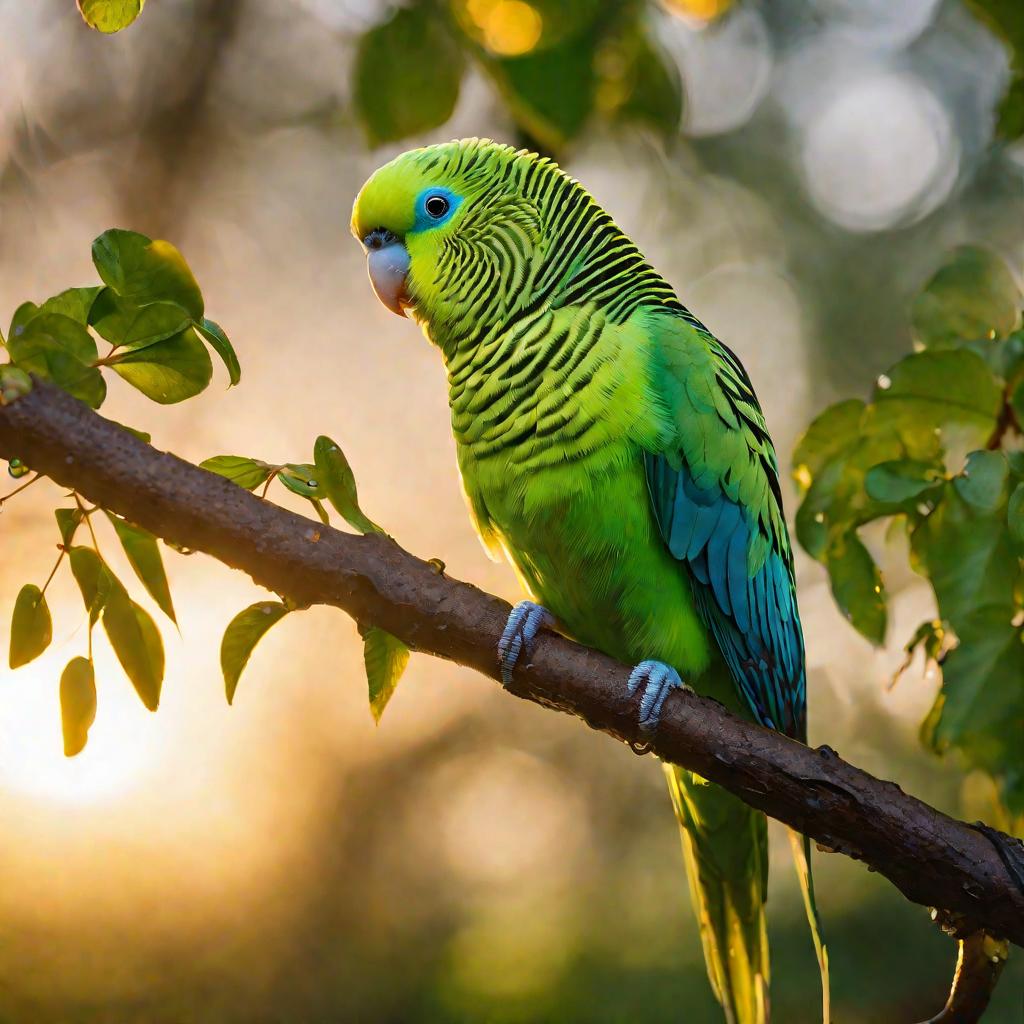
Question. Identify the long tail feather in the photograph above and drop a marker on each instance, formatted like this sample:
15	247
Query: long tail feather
802	859
725	844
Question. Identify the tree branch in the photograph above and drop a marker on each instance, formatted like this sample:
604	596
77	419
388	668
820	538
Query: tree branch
931	858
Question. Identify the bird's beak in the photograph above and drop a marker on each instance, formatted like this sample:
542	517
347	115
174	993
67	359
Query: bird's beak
388	267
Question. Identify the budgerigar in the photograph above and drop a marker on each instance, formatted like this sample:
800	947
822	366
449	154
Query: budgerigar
613	449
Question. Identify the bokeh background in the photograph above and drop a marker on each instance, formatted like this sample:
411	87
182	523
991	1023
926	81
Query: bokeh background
473	858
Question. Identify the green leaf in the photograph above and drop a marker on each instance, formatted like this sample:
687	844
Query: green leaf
94	580
31	626
142	435
77	704
169	371
830	433
932	636
385	658
406	75
550	92
219	342
1015	517
144	555
60	349
857	587
973	295
22	316
639	81
335	476
128	326
948	395
243	633
137	644
901	480
981	706
73	302
966	552
110	15
247	473
68	520
982	483
1006	20
142	271
301	479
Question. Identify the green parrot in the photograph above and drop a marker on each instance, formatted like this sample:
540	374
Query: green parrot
614	451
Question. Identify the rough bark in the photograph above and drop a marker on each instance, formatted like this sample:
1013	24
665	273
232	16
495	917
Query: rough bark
975	876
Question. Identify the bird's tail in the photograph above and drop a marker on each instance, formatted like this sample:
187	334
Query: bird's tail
802	859
725	844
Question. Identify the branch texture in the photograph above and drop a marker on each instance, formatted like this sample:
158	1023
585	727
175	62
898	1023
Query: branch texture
931	858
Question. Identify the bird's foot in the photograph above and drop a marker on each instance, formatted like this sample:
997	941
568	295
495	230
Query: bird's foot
658	681
524	623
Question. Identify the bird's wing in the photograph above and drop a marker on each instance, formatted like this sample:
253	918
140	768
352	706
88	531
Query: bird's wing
714	488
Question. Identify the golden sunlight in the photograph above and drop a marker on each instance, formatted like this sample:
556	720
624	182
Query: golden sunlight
122	742
510	27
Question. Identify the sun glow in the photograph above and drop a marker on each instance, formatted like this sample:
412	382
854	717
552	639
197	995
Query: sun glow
124	741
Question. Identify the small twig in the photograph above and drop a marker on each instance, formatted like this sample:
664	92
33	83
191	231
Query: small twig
980	961
18	490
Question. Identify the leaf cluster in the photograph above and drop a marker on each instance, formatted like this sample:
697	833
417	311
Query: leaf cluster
937	452
149	311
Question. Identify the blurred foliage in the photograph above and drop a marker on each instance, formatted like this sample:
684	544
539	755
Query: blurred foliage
1006	19
938	452
556	63
559	63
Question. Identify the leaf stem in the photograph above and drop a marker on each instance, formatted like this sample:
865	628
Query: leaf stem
18	490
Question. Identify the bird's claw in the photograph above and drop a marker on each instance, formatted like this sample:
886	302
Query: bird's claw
658	681
524	623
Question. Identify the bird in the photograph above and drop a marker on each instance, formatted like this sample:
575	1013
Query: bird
612	449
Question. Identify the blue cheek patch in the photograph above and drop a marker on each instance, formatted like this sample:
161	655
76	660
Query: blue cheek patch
424	222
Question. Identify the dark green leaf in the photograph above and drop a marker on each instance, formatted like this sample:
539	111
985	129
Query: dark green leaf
1006	19
1017	401
247	473
335	476
550	92
128	326
980	710
301	479
143	271
243	633
77	704
31	626
966	552
169	371
73	302
94	580
219	342
68	520
406	76
974	295
60	349
982	483
110	15
137	644
1015	517
638	81
385	658
857	587
901	480
144	555
931	635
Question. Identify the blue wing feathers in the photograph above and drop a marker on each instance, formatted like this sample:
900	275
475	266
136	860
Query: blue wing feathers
753	617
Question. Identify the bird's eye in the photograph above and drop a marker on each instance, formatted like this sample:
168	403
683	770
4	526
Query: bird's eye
436	206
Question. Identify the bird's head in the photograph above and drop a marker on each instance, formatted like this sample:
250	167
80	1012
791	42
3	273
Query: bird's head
447	231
